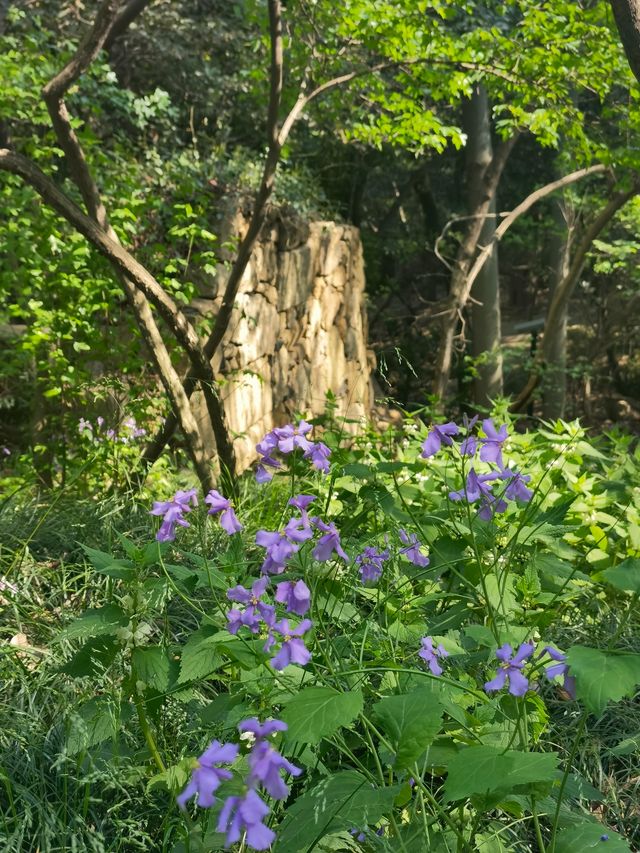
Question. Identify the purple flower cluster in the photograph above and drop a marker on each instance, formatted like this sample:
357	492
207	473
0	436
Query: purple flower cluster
129	431
173	512
478	487
285	440
243	815
280	545
511	666
258	616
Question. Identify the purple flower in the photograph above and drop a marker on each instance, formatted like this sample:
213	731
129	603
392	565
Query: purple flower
476	488
290	437
228	519
510	669
265	448
412	551
296	595
278	548
359	836
328	543
5	451
206	777
255	611
301	502
84	424
468	446
265	764
293	649
261	730
319	455
246	815
517	485
370	564
173	512
491	450
560	669
431	655
438	435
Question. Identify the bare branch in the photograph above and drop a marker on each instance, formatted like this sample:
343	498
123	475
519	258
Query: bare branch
523	207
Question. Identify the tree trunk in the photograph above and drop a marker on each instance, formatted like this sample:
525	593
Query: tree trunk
459	288
486	332
554	384
627	15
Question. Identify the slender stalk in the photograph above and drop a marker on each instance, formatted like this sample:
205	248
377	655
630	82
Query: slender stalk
146	731
565	777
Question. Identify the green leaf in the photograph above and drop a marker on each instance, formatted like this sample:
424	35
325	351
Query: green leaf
106	564
94	657
93	723
152	665
95	623
602	676
625	576
484	769
412	721
316	712
199	655
342	801
590	835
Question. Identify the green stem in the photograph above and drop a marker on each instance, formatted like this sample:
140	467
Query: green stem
148	735
563	783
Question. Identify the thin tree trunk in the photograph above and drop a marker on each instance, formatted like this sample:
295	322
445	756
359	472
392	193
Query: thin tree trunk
486	330
554	393
458	290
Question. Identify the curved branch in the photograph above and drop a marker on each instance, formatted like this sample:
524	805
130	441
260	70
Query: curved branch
523	207
125	17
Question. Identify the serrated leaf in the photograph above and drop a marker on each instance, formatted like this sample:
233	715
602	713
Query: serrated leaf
601	676
152	665
485	769
200	656
411	721
590	836
317	712
625	576
94	623
344	800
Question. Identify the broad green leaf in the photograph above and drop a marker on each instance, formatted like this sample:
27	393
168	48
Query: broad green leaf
411	721
590	835
317	712
152	665
93	658
601	676
200	656
94	623
173	778
484	769
342	801
625	576
106	564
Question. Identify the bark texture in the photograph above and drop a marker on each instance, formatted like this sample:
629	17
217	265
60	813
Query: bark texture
627	17
486	330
